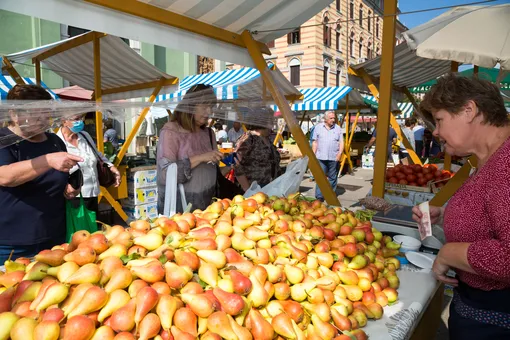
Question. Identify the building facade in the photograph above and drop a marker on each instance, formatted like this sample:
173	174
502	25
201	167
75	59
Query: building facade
318	53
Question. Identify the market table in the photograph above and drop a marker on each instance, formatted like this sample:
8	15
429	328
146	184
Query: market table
417	313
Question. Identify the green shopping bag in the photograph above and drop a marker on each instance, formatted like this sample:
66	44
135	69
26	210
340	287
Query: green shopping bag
79	219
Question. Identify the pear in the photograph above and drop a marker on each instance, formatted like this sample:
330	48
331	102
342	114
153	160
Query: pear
81	256
166	308
219	323
240	242
123	319
299	292
184	258
47	330
255	234
240	331
202	233
66	270
151	272
12	266
121	278
341	321
77	238
242	284
103	333
146	299
258	295
231	303
282	325
177	276
323	329
6	299
75	297
274	273
53	314
40	294
294	274
186	321
294	310
98	242
358	262
178	334
348	277
113	232
29	293
117	299
151	241
53	258
56	293
94	299
322	310
10	279
20	289
23	329
200	304
37	272
260	328
108	266
226	284
149	326
79	327
215	257
116	250
135	287
209	274
89	273
354	293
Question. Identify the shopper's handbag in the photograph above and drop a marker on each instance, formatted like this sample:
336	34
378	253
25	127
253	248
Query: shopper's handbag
105	176
79	218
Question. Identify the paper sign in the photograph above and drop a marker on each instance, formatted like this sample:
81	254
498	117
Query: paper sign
425	226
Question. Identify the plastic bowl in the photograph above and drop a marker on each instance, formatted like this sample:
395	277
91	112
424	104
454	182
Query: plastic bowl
407	243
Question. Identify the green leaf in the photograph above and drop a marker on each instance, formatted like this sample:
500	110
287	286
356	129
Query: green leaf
188	208
126	258
163	259
335	257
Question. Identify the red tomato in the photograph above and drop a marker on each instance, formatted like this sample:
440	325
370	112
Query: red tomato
393	180
413	184
426	171
398	167
400	175
390	173
411	178
417	168
407	170
432	166
420	175
437	174
429	177
402	181
421	181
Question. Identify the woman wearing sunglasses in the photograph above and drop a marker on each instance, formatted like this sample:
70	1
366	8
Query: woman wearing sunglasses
187	141
34	175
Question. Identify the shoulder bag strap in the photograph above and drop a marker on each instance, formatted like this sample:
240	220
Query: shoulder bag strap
91	146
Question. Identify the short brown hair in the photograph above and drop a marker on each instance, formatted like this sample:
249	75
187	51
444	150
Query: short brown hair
28	92
452	92
196	95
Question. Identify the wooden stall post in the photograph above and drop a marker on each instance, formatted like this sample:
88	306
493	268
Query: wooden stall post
386	81
97	93
304	145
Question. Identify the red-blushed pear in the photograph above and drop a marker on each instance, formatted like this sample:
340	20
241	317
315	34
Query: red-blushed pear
231	303
6	299
94	299
223	242
151	272
146	299
53	258
340	321
202	233
200	304
98	242
242	284
135	287
149	327
282	325
233	256
121	278
293	309
166	308
79	327
177	276
23	329
89	273
123	319
77	238
186	321
56	293
117	299
47	330
74	298
124	336
260	328
185	258
219	323
81	256
10	279
104	333
215	257
216	303
53	314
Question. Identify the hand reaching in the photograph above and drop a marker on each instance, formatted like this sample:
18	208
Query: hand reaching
62	161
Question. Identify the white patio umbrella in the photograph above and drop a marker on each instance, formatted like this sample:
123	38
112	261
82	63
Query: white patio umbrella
478	35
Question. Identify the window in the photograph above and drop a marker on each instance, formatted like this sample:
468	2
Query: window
369	20
270	44
360	48
351	45
326	73
294	37
369	50
360	15
377	28
327	32
295	71
351	10
338	5
338	76
338	40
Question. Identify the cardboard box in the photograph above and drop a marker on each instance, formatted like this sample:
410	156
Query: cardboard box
141	212
142	195
142	178
367	161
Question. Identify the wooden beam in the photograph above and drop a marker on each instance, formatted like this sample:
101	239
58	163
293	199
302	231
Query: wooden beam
138	123
12	71
38	72
162	16
142	86
65	46
98	93
475	71
302	142
454	183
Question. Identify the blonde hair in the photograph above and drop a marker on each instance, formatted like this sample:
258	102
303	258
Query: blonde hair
184	113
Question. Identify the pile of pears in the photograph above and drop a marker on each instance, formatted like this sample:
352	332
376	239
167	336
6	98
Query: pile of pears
257	268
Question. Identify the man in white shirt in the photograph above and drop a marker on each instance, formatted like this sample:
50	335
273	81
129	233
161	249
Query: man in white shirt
221	134
235	132
418	139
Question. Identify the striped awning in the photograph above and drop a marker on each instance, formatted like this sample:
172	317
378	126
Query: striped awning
121	67
7	83
402	110
409	69
244	84
327	98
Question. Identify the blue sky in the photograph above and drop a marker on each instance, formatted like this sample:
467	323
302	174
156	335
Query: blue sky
412	20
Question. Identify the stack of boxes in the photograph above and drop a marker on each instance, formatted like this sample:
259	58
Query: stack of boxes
142	201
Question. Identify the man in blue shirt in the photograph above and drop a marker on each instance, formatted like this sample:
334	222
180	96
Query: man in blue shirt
328	146
392	136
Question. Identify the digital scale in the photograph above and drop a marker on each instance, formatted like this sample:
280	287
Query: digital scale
398	220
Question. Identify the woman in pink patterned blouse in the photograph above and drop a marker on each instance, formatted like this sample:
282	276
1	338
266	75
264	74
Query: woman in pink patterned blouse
471	119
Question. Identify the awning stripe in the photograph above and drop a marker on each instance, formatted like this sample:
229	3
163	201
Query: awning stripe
7	83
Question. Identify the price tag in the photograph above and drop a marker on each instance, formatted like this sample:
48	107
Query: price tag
425	227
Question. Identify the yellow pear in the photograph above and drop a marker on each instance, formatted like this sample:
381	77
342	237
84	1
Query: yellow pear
117	299
116	250
151	241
